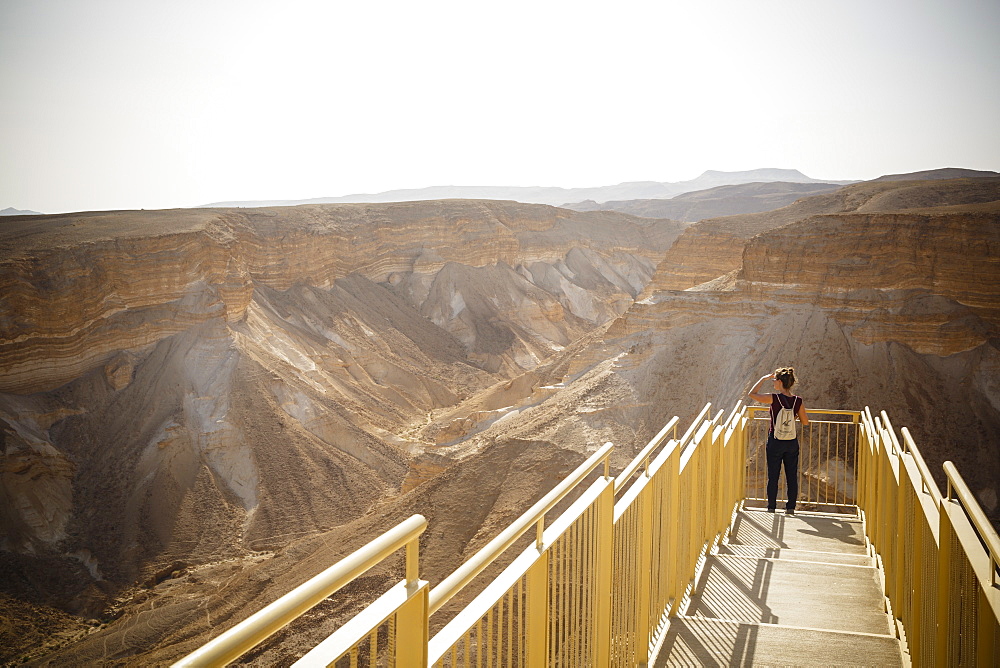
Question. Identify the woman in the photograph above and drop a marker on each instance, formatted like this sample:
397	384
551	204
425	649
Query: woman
781	451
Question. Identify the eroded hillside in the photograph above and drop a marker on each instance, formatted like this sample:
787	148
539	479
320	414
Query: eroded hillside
181	388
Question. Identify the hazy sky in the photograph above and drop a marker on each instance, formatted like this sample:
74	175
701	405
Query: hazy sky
134	103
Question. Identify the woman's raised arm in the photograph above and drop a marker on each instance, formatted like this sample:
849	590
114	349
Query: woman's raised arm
755	395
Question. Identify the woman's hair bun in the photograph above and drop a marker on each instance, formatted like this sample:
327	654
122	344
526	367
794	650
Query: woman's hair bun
786	375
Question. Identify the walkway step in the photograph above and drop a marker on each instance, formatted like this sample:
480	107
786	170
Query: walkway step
761	552
699	641
805	531
836	597
797	590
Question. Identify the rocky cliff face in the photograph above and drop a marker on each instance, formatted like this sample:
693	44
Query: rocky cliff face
178	387
923	277
713	247
81	286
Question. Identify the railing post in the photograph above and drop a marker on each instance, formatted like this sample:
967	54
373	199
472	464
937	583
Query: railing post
986	634
701	512
945	545
737	464
411	619
915	568
741	488
603	576
727	496
862	458
718	485
900	538
884	472
874	473
537	622
900	492
672	515
743	455
411	628
645	566
858	473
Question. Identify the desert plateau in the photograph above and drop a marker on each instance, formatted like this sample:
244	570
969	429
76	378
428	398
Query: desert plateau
202	408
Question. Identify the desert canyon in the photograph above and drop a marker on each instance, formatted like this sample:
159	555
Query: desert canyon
202	408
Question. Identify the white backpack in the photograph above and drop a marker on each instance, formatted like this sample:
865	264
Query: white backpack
784	424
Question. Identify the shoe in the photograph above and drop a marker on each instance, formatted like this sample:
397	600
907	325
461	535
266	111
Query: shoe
790	511
770	510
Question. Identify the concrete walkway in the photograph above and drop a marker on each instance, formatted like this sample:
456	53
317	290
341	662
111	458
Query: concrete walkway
785	591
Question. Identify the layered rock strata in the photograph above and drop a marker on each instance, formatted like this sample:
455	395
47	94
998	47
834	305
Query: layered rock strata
925	278
80	287
713	247
189	386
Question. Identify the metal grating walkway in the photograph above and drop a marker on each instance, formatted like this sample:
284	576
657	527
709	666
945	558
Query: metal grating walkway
785	590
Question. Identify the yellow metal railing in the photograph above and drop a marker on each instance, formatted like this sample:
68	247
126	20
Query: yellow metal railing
827	460
698	478
404	606
596	585
549	605
939	552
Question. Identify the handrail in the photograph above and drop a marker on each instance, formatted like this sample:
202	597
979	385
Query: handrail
736	409
645	453
892	432
694	426
687	453
535	515
734	416
887	425
925	472
811	411
972	510
262	624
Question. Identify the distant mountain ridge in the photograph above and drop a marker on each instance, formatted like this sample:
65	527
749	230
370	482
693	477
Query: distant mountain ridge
725	200
940	174
11	211
555	196
747	198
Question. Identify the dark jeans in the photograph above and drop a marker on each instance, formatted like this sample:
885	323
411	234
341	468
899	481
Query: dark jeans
778	453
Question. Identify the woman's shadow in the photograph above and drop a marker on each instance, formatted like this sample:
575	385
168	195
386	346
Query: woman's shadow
828	527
